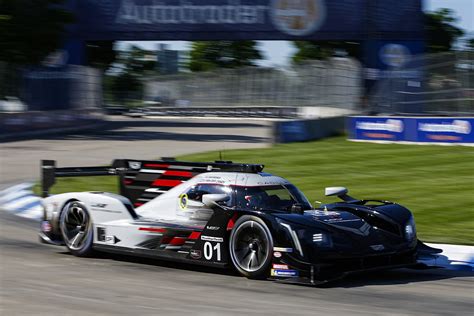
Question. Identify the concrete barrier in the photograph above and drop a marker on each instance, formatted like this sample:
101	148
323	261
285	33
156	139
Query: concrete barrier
306	130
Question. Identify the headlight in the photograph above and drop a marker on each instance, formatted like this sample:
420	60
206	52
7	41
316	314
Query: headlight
410	229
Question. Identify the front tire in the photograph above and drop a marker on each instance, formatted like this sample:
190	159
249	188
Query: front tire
251	247
75	225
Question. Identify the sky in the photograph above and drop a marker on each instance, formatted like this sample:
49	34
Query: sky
278	53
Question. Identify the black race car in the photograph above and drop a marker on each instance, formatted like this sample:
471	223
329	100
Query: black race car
224	214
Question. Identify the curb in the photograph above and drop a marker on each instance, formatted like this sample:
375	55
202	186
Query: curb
21	201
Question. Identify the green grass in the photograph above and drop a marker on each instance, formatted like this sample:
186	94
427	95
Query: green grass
435	182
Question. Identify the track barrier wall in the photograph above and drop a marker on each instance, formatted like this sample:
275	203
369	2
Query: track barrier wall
306	130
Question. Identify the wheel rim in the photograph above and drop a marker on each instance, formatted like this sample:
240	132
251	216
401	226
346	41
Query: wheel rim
249	247
75	225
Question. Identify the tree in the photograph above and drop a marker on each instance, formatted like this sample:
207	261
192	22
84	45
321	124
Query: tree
441	34
470	44
310	50
30	29
225	54
126	81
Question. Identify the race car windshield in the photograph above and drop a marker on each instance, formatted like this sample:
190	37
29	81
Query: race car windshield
274	197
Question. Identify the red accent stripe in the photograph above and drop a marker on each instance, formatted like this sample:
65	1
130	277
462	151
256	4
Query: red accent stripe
166	183
186	174
155	165
127	182
138	204
153	229
194	235
231	222
177	241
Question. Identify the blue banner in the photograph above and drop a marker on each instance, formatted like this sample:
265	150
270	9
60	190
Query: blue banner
246	19
412	129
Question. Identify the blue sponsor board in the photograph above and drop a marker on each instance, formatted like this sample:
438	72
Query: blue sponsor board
377	128
412	129
446	130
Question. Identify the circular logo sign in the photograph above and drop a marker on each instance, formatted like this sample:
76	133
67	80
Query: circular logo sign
183	201
298	17
394	55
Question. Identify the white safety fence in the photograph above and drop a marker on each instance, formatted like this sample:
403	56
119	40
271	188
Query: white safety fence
20	200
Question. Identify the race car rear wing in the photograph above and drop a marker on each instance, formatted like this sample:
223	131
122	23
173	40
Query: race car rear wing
142	180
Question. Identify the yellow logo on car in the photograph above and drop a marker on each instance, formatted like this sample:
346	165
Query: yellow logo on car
183	201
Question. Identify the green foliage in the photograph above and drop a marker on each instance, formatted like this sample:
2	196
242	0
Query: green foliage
470	44
30	29
311	50
435	182
224	54
131	66
441	34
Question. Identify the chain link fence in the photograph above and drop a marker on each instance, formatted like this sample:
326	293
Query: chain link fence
438	84
49	88
332	83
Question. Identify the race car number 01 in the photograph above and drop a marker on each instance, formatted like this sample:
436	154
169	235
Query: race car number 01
209	250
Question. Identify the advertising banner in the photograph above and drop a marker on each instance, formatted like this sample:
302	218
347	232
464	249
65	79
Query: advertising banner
244	19
455	130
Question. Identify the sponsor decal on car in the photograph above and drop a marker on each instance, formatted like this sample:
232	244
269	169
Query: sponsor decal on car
280	266
211	238
282	249
46	226
195	254
111	240
183	201
284	273
277	254
134	165
99	205
212	227
377	247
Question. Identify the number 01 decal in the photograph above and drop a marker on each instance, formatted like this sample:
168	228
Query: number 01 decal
209	251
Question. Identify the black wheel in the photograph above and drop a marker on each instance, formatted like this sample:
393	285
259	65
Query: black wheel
75	225
251	246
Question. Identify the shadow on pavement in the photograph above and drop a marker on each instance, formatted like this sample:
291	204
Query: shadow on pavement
148	129
395	277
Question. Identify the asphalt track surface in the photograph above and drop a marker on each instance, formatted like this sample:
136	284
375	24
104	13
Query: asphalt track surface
124	137
38	279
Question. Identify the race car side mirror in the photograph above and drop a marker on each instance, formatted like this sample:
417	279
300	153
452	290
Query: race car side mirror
212	200
340	192
335	191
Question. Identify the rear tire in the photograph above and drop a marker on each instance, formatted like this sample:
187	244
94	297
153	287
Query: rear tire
75	225
251	247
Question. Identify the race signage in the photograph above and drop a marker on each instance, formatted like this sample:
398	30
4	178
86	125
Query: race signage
412	129
243	19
